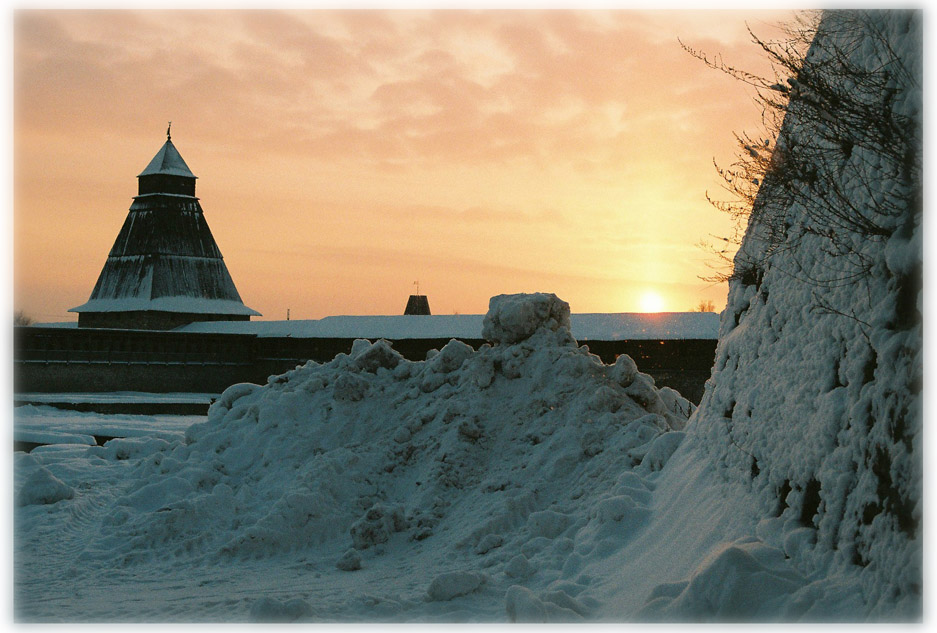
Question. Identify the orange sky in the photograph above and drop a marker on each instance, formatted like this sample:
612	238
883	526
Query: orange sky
343	155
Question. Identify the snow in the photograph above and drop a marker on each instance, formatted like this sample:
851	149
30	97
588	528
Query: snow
525	481
481	469
514	318
45	436
184	304
114	397
49	425
454	584
814	404
43	488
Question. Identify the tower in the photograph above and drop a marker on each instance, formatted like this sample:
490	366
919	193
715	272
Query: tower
165	269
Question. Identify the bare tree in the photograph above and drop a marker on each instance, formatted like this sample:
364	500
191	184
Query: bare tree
857	137
705	305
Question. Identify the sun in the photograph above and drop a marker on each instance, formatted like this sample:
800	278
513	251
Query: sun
652	302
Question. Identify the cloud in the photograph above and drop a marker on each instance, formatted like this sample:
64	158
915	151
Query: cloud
552	84
559	140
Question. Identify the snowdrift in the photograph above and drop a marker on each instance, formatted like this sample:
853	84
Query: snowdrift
495	463
370	445
814	404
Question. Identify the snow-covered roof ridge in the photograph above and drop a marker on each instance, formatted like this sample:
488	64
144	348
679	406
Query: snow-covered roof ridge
168	161
584	327
184	304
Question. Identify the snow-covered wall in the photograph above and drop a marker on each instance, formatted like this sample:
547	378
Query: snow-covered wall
585	327
815	399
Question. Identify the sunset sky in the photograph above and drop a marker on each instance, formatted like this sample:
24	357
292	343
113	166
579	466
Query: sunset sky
343	155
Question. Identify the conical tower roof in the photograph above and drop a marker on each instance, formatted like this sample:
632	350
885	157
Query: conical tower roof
165	258
169	162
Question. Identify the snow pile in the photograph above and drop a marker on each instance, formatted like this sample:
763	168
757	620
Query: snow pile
370	448
513	318
43	488
496	463
815	400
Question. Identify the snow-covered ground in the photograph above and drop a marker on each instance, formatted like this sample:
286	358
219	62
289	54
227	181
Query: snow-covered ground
467	473
115	397
49	425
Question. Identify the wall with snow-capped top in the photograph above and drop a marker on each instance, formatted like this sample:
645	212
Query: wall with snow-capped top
815	399
584	327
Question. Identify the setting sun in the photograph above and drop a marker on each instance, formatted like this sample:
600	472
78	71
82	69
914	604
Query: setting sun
652	302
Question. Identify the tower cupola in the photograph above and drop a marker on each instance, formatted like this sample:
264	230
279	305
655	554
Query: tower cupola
167	173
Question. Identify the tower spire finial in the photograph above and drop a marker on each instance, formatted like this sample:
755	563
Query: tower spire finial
168	136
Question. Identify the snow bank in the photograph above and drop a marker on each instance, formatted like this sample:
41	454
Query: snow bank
815	402
43	488
371	449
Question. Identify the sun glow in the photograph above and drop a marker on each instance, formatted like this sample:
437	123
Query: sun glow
434	205
652	302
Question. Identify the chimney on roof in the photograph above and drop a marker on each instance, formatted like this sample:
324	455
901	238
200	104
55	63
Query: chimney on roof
417	305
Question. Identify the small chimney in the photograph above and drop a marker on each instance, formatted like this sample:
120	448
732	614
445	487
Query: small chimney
417	305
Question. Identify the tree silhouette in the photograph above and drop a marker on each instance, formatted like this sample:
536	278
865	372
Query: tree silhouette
856	136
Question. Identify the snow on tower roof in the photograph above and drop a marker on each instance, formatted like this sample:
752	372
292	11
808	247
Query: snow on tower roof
168	161
178	304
